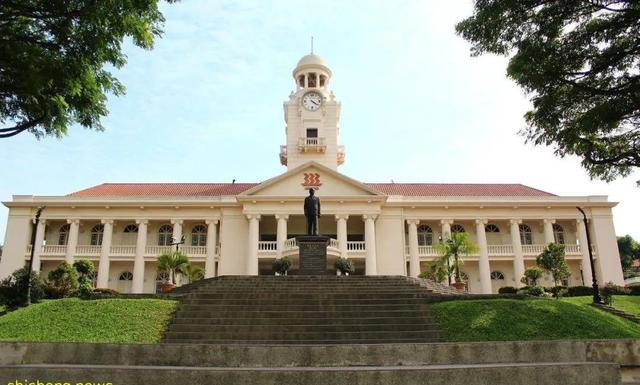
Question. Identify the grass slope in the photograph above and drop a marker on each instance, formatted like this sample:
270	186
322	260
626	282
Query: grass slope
627	303
75	320
534	319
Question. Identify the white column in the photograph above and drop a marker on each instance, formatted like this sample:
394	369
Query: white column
105	250
37	247
177	229
370	244
518	258
342	234
584	249
414	258
137	285
72	241
212	244
281	233
483	264
548	231
252	247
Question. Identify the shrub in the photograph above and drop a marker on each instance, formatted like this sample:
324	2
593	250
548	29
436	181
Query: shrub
531	276
611	289
507	290
282	265
13	289
579	291
85	271
106	292
344	265
63	281
435	271
535	291
634	290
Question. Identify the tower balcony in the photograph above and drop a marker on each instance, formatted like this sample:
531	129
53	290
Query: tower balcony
308	144
283	155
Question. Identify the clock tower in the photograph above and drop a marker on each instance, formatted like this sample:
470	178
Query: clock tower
312	114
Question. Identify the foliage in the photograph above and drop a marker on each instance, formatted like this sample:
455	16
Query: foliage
629	250
344	265
282	265
609	290
436	271
531	276
578	291
62	281
55	55
74	320
552	260
507	290
193	272
530	319
453	248
579	62
173	263
85	270
105	293
534	291
13	289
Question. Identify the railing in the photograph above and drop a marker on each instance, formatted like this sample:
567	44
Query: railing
500	249
158	250
54	250
290	244
572	249
267	246
356	246
532	249
194	250
429	251
88	250
126	250
334	243
28	250
315	144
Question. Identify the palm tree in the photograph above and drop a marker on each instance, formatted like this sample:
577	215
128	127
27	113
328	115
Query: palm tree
458	245
194	273
173	263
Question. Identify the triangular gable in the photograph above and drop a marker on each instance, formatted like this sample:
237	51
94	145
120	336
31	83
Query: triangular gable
297	181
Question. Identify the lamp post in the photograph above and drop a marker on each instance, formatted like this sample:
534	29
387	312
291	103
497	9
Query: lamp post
177	243
596	291
33	249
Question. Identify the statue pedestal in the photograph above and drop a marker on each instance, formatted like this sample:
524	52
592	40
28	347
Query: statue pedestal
313	254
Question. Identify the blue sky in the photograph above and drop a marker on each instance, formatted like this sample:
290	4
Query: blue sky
205	105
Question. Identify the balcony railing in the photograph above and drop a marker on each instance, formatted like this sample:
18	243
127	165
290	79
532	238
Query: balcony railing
54	250
267	246
121	250
356	246
311	144
500	250
88	250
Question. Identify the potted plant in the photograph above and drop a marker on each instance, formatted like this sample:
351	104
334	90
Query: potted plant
173	263
282	265
343	266
452	249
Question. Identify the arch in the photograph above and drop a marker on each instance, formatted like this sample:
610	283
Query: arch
165	235
491	228
558	233
126	276
425	235
63	234
457	228
496	275
526	235
130	228
97	232
199	235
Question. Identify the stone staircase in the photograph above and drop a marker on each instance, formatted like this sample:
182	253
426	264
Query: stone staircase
305	310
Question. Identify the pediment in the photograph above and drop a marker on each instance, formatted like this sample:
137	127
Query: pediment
297	181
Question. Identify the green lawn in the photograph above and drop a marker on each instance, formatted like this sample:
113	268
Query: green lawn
75	320
627	303
531	319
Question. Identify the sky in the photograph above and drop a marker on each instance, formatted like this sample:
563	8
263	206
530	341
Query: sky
205	105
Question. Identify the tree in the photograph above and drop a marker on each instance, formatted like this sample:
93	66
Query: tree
552	260
579	62
531	276
458	245
436	271
53	56
173	263
629	250
193	273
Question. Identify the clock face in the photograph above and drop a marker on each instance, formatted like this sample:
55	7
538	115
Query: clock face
312	101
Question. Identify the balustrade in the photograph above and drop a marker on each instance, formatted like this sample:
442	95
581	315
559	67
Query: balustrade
267	246
88	250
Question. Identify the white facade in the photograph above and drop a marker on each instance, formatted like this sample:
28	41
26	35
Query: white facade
232	229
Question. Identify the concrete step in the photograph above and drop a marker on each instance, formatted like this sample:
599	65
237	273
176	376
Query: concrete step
295	314
285	335
227	294
297	328
496	374
305	302
307	321
302	307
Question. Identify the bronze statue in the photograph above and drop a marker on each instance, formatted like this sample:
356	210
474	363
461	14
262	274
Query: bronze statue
312	212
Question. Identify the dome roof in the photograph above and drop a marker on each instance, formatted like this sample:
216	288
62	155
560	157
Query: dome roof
311	59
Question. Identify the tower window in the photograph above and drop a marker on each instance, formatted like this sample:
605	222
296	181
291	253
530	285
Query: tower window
301	81
323	80
313	79
312	132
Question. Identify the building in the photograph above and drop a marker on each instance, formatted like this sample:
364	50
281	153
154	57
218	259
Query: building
240	228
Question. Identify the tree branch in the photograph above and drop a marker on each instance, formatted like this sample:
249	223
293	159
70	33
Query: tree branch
13	131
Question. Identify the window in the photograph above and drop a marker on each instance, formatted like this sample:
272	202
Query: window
323	80
312	132
301	81
63	234
131	228
457	229
558	233
126	276
165	235
312	79
526	237
491	228
496	275
425	235
96	235
163	276
199	235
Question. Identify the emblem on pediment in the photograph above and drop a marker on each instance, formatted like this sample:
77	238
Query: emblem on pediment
311	180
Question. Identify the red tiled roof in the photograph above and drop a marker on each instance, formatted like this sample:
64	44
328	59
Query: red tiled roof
227	189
